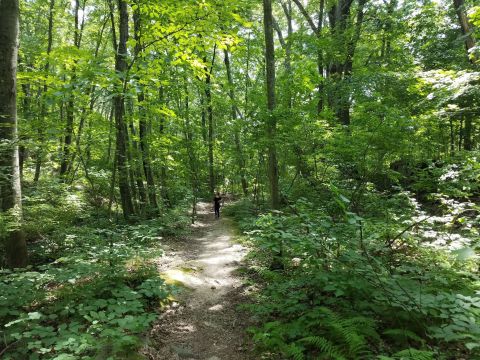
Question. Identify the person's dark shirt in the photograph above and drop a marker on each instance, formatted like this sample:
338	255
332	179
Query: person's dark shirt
217	199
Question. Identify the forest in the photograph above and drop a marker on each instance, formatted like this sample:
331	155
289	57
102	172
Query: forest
343	137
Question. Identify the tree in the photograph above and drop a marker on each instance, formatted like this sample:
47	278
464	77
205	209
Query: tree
119	110
142	123
236	133
466	29
10	187
271	123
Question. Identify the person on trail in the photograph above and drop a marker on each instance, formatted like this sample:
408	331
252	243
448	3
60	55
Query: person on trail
216	204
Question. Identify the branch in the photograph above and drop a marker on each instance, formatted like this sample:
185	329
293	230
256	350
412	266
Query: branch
411	226
306	16
279	33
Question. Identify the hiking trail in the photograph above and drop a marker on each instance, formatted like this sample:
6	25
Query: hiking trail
203	323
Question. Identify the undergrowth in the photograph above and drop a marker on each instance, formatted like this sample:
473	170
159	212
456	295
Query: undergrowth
92	290
358	287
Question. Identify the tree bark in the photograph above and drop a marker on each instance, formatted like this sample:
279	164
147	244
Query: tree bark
208	98
271	127
233	114
70	109
317	30
119	111
43	108
10	187
466	30
467	132
142	122
472	55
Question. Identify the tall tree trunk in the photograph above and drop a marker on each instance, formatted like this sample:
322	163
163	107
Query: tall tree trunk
320	61
192	155
163	167
452	136
392	5
235	119
473	57
142	122
271	104
466	28
10	187
317	30
119	110
135	160
70	109
43	107
90	93
208	98
468	130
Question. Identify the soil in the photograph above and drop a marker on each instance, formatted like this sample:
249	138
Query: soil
204	322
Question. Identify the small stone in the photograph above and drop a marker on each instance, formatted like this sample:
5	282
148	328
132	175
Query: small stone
213	287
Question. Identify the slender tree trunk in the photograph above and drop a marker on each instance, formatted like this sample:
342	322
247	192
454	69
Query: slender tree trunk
320	61
163	167
10	187
388	28
27	115
473	57
342	72
467	133
236	133
317	30
203	116
452	137
90	93
142	122
135	190
271	104
70	109
64	166
135	161
119	110
460	132
43	107
192	156
466	28
208	98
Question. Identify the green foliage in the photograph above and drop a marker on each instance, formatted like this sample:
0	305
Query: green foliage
86	304
349	291
93	290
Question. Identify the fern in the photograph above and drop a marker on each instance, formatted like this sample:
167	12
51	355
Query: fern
348	332
324	345
295	352
414	354
404	334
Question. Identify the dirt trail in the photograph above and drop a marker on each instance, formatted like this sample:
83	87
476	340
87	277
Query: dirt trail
204	323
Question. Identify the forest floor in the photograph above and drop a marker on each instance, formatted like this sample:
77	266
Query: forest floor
204	322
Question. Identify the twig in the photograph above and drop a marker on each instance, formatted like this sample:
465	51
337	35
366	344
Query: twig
8	347
390	242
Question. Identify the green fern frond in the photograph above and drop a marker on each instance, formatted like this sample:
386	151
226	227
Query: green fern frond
414	354
325	346
350	335
403	333
295	352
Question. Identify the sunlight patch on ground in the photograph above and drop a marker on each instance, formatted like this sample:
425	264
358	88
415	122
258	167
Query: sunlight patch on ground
179	277
217	307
